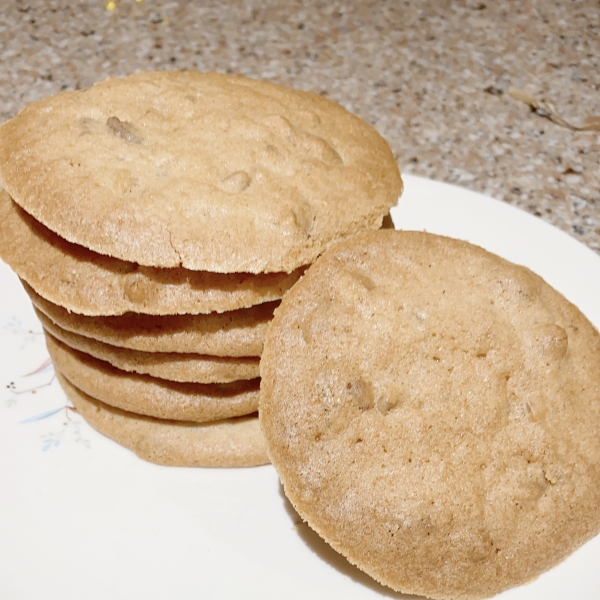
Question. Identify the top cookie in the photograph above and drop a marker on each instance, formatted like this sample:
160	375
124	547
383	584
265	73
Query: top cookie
201	170
433	412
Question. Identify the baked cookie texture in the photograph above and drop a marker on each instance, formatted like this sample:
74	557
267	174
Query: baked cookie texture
433	412
237	333
92	284
152	396
184	367
204	171
228	443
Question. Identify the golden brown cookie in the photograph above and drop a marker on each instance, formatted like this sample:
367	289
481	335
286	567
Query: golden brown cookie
92	284
164	365
236	333
236	442
204	171
152	396
433	412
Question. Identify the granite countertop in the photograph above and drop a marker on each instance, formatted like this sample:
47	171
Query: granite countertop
432	76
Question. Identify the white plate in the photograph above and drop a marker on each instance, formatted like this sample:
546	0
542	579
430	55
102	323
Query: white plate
82	518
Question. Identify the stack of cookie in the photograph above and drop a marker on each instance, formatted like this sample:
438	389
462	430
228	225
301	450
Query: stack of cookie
156	221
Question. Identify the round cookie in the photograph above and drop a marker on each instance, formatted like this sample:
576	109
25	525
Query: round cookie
433	412
145	395
164	365
236	442
92	284
205	171
237	333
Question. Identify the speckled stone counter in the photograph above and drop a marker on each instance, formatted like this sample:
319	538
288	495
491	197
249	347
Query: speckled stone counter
432	76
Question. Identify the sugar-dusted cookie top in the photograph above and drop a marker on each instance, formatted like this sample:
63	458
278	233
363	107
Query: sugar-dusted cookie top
201	170
433	412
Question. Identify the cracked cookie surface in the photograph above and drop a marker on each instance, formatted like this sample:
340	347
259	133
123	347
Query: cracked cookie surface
204	171
433	412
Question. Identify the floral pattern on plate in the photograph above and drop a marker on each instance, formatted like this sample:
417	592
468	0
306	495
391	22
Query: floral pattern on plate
39	381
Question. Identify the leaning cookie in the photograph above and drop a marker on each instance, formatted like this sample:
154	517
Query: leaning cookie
236	442
433	412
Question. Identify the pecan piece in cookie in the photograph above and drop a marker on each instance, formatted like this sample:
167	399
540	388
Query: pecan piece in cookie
124	130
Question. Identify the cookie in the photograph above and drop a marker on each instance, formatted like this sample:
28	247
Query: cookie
204	171
91	284
164	365
238	333
236	442
151	396
433	412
